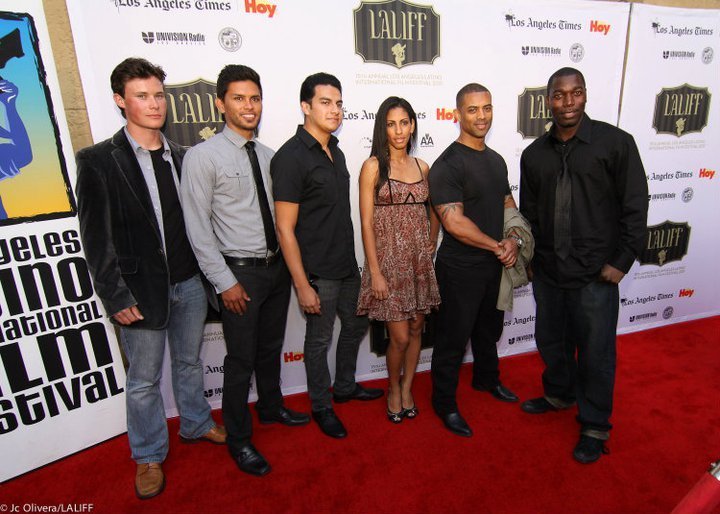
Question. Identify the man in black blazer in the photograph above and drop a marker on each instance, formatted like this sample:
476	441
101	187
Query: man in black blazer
143	268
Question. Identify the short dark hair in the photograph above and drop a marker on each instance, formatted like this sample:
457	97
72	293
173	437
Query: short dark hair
133	68
235	73
473	87
564	72
307	89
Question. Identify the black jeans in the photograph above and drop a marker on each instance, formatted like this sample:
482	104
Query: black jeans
468	311
582	320
254	341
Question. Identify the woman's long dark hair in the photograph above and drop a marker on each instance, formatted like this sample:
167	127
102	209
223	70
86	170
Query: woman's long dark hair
380	148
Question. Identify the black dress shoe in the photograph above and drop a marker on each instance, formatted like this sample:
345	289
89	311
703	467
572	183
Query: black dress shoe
502	393
537	406
589	449
329	423
285	416
250	461
455	423
360	393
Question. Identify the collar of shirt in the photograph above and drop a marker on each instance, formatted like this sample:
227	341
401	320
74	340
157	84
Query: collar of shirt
584	132
137	148
234	137
310	141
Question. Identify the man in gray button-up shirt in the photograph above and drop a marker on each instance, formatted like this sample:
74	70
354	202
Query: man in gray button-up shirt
229	219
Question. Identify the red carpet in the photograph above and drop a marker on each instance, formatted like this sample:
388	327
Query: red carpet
667	431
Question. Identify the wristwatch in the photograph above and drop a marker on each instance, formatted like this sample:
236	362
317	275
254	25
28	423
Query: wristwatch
518	240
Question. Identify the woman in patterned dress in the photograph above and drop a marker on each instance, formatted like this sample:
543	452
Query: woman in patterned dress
399	234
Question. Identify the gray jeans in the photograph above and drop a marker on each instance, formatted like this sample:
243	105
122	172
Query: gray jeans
337	297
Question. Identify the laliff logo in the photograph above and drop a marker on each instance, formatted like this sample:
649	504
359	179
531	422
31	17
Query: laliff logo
230	39
148	37
706	173
192	115
599	27
533	115
426	141
667	312
666	242
681	110
577	52
366	142
397	33
260	7
707	55
444	114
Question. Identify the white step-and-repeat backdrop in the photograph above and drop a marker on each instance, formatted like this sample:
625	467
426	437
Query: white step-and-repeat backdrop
425	52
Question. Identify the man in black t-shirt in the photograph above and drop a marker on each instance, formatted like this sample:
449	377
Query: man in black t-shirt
311	187
470	191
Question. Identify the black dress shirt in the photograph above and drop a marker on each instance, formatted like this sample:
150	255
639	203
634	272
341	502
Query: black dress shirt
609	202
303	174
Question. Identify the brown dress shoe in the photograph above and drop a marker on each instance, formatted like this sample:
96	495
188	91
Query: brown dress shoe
216	435
149	480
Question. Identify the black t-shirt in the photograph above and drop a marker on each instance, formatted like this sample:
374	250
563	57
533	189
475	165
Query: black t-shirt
478	180
303	174
180	257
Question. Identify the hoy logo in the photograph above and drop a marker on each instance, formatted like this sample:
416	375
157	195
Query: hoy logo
533	115
192	116
681	110
397	33
599	26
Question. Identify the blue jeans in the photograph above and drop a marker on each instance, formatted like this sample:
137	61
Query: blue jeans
145	349
337	297
582	320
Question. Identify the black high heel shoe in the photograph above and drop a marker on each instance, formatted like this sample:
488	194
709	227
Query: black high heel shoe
394	417
410	413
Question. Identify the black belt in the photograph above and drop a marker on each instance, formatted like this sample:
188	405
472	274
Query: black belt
252	262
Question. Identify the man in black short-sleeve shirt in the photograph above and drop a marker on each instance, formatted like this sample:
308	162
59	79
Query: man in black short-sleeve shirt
470	191
311	187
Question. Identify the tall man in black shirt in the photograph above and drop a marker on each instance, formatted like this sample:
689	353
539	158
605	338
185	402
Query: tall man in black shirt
144	270
311	187
469	189
583	190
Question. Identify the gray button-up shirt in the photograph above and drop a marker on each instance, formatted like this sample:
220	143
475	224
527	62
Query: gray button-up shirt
220	203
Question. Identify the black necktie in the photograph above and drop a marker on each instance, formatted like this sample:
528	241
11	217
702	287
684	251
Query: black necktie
563	205
270	237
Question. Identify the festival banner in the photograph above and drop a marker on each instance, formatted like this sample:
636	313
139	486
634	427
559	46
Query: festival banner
672	74
61	379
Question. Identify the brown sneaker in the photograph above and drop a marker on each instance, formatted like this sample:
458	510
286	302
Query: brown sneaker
149	480
216	435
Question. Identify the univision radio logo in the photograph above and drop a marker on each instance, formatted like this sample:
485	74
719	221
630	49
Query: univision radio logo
192	115
397	33
534	117
666	242
681	110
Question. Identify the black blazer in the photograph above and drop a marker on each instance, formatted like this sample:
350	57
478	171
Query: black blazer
120	232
